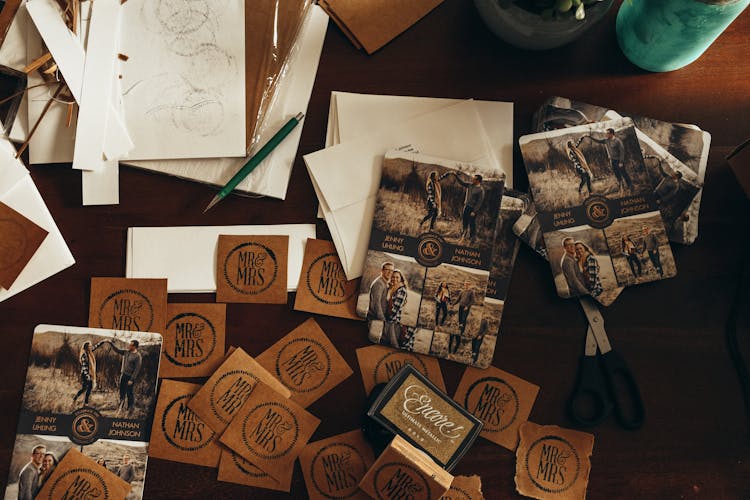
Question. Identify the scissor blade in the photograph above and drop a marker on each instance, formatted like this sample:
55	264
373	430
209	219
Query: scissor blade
596	323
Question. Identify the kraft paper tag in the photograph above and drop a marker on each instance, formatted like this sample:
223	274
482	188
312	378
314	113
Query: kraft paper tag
306	362
193	340
402	471
218	401
79	477
334	467
270	431
128	304
323	287
235	469
178	434
465	488
500	400
252	269
553	462
19	240
379	364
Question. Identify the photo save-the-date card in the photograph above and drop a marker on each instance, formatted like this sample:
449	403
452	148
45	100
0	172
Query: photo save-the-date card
596	206
89	389
427	267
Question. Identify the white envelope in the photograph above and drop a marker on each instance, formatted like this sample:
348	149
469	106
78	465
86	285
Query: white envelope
17	190
346	176
186	255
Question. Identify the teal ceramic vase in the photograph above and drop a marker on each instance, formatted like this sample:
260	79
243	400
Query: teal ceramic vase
664	35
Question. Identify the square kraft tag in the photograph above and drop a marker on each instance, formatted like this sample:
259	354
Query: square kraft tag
193	340
217	402
306	362
379	364
128	304
78	476
323	287
553	462
402	471
178	434
235	469
19	240
252	269
334	467
500	400
270	431
465	488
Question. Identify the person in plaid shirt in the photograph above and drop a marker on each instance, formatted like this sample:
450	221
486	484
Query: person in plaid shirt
589	267
397	296
88	370
434	197
580	164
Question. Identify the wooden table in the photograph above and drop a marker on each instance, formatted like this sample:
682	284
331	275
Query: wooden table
695	440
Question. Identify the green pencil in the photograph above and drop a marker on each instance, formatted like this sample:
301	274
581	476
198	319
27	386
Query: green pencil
256	159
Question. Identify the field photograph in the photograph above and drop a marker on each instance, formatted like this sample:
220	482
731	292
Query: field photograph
113	453
53	376
681	141
528	230
553	180
402	203
594	239
561	112
413	274
633	227
455	277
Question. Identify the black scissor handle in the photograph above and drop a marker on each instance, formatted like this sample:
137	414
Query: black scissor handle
589	393
623	390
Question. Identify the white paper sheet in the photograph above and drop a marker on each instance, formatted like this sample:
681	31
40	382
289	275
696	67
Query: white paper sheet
17	190
186	256
184	81
346	176
271	177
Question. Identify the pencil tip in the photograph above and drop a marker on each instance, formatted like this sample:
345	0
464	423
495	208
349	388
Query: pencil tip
214	201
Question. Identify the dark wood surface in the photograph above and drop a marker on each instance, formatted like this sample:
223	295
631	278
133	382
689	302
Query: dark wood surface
695	441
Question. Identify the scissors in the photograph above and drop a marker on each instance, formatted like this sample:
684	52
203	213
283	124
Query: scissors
603	380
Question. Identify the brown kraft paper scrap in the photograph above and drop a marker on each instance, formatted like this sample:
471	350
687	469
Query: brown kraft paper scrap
306	362
79	477
553	462
252	269
218	401
178	434
193	340
500	400
19	240
270	431
128	304
334	467
235	469
402	471
465	488
379	364
323	287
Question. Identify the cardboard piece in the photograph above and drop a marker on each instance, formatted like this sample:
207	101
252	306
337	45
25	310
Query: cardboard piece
251	269
128	304
306	362
178	434
402	471
219	400
235	469
379	364
500	400
78	476
553	462
465	488
20	238
270	431
374	23
334	467
193	340
323	287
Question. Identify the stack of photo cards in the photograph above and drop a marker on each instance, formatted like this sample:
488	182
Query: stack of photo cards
595	224
675	155
90	389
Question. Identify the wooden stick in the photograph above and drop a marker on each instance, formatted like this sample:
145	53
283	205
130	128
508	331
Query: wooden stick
6	99
37	63
25	145
69	118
